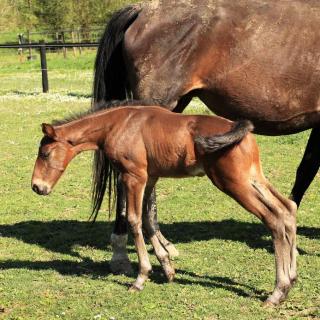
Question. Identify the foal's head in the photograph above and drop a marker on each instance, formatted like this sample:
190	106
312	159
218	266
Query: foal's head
53	157
55	153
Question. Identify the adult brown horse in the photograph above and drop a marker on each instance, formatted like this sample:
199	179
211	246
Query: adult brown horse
249	59
173	145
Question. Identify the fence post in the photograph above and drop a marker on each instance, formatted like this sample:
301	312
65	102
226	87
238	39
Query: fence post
29	41
20	50
73	48
64	48
44	70
79	40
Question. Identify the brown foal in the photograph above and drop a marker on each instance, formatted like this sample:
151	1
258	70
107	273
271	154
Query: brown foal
145	143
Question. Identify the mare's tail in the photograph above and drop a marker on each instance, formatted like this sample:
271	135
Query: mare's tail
110	83
218	142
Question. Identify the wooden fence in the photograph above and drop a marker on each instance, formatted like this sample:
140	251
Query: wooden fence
43	54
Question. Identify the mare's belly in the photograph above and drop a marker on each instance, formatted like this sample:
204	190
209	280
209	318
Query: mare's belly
268	117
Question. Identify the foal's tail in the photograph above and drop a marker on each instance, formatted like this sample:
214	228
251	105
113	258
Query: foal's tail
110	83
218	142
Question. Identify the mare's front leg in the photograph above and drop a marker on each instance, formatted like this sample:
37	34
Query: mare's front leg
134	186
120	263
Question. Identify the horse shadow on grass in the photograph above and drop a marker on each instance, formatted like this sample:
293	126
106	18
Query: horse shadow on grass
63	236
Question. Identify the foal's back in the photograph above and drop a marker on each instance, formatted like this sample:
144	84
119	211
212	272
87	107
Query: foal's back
164	142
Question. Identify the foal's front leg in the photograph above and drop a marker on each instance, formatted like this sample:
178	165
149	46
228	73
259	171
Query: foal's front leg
134	191
151	218
152	233
120	263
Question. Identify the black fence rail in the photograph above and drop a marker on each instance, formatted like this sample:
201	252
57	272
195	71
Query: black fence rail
43	54
50	45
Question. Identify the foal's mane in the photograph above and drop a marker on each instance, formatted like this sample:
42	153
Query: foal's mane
101	106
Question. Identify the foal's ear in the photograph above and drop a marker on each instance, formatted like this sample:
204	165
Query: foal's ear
48	130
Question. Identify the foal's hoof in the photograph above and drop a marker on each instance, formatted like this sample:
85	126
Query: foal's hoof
172	251
273	301
168	270
135	288
122	266
268	304
293	280
170	276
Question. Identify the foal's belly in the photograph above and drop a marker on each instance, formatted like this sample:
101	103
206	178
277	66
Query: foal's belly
195	171
177	171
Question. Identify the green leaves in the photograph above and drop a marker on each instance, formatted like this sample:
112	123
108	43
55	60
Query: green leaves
56	15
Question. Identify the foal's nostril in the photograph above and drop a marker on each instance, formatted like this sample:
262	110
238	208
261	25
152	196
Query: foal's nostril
41	190
44	191
35	188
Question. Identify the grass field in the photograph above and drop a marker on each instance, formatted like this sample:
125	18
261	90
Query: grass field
54	263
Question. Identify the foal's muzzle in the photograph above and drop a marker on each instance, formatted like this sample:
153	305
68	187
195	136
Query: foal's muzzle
41	190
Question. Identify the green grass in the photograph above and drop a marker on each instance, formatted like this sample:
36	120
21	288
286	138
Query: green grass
54	264
71	76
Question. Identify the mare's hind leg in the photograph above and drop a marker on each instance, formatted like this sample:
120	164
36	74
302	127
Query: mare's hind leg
120	263
153	234
308	167
279	215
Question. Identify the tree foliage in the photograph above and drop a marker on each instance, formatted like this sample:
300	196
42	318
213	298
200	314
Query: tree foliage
56	14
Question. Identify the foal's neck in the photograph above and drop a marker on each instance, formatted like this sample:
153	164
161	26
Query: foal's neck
91	128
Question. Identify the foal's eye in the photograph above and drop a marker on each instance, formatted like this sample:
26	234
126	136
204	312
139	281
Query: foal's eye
44	155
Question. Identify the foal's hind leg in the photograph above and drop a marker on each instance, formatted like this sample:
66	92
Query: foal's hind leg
292	208
152	233
279	215
243	181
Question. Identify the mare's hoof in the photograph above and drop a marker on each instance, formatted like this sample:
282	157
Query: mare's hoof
122	266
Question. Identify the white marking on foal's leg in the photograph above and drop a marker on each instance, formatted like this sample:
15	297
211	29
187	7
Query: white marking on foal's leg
120	262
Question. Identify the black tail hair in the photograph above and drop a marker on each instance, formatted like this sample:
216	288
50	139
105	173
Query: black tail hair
218	142
110	83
